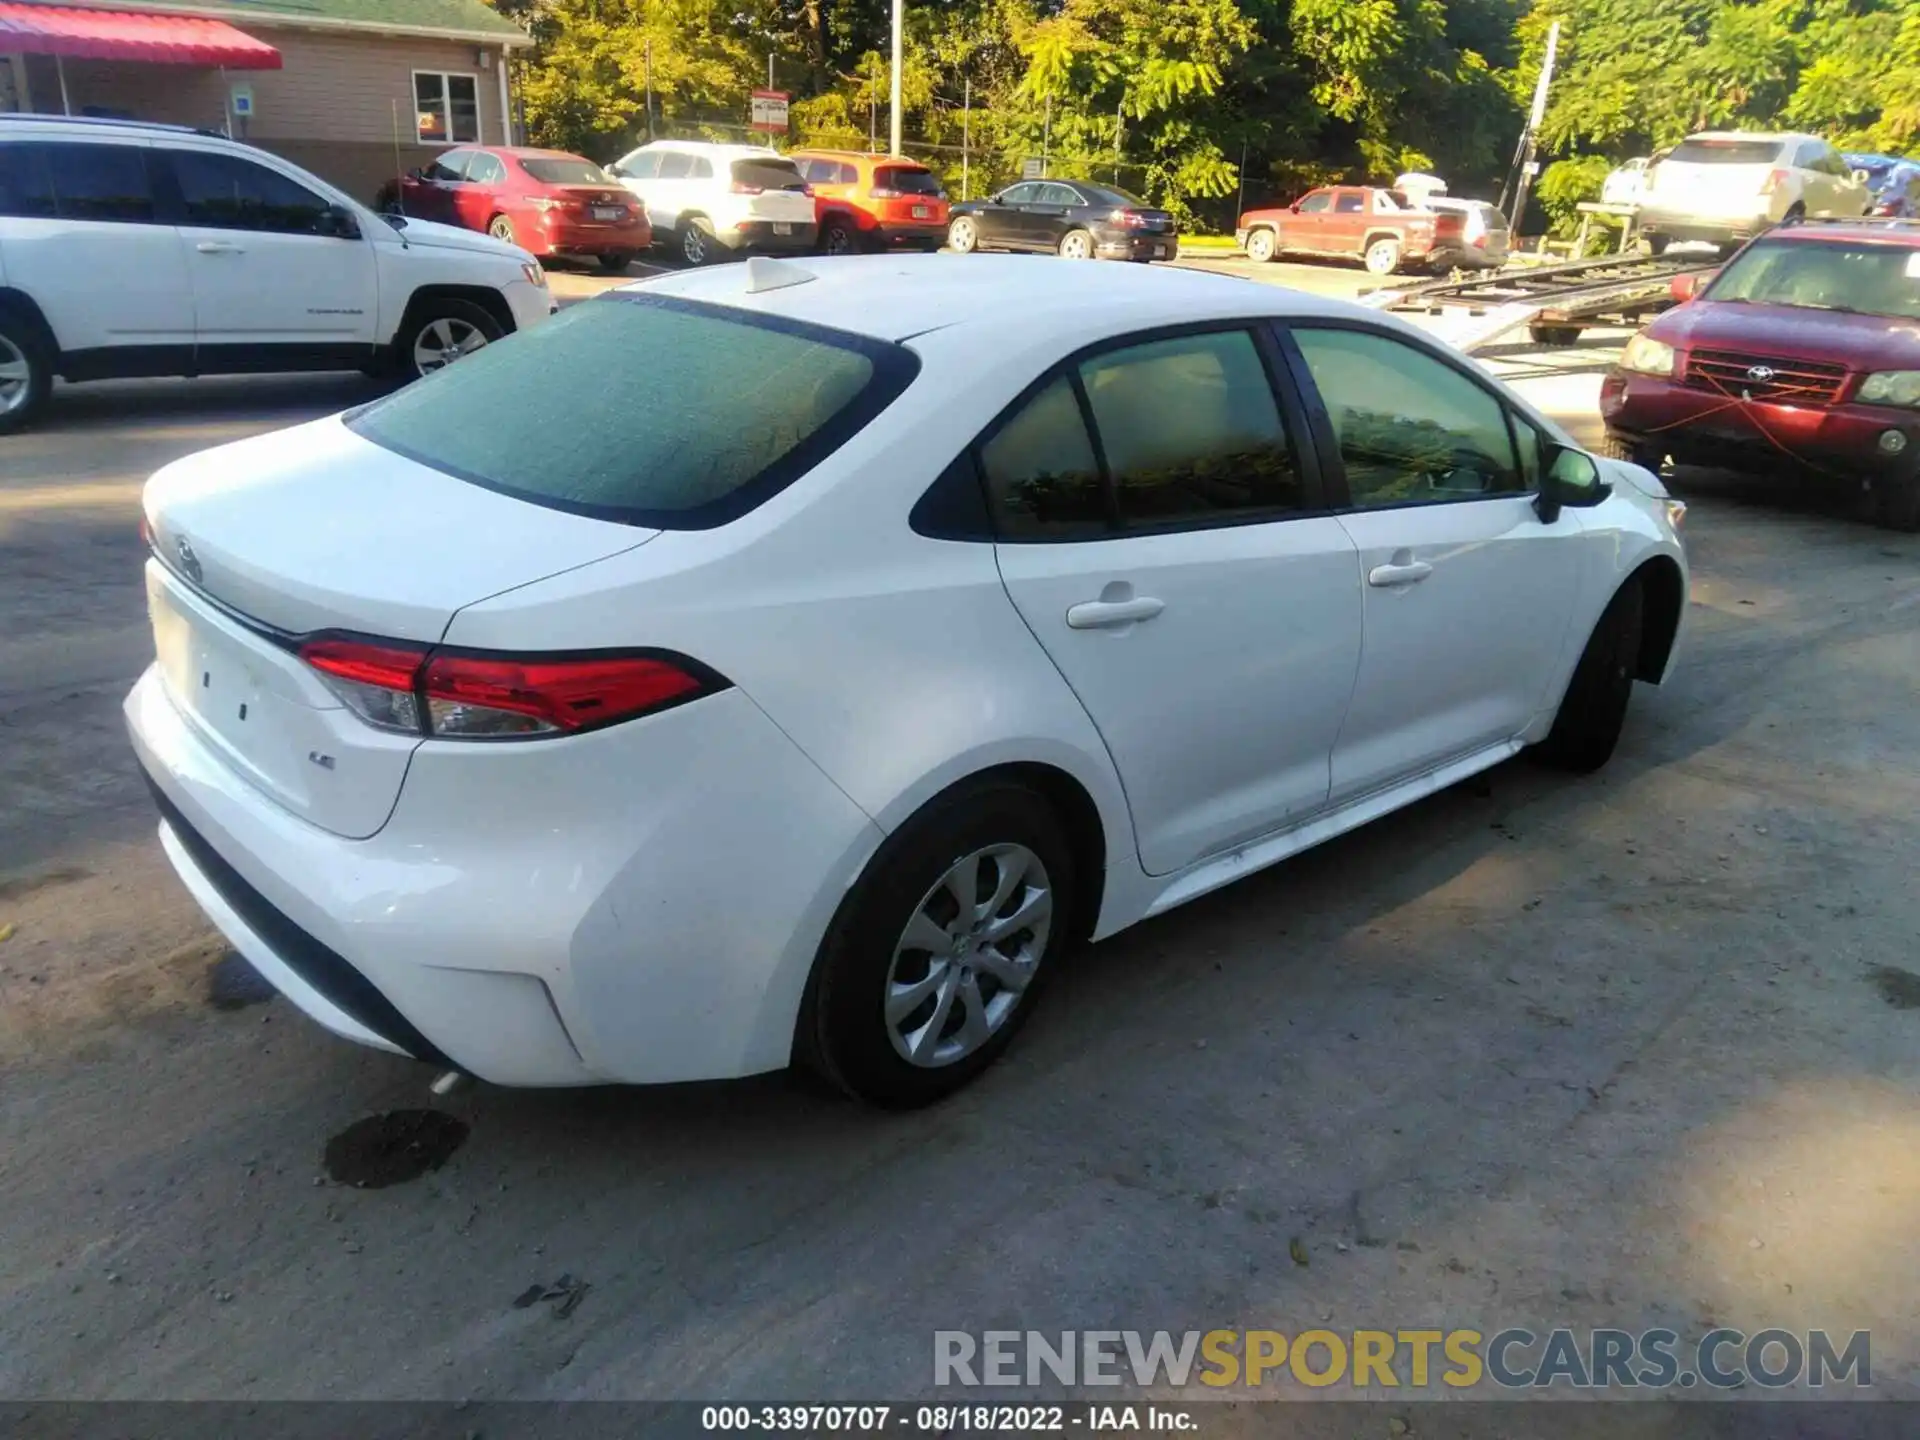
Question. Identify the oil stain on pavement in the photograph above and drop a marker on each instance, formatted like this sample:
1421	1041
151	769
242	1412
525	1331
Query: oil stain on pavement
393	1148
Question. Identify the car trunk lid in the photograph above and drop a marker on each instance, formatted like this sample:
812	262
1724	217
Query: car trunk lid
259	544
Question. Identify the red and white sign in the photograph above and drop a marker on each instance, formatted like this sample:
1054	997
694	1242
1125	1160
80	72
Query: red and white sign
769	111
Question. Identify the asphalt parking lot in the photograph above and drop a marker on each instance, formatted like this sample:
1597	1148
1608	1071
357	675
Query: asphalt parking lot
1631	1050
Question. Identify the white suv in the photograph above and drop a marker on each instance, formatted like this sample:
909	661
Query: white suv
715	200
134	249
1727	187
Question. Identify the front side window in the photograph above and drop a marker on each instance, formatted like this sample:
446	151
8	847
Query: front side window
1411	428
227	192
446	108
1023	194
747	406
641	165
26	189
1188	430
450	168
1315	203
100	182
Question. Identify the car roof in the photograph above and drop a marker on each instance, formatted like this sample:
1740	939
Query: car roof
82	125
1891	231
1773	135
897	297
528	152
716	150
872	157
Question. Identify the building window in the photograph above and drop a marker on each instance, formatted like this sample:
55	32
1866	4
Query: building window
446	108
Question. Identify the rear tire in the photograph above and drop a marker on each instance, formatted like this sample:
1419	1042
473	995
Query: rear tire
963	236
26	372
615	262
1896	503
1262	246
1383	256
501	228
1557	337
1076	245
838	238
1594	709
845	1033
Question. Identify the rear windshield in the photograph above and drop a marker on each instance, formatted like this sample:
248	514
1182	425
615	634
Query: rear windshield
1110	195
644	409
1726	152
566	170
909	180
1824	275
771	174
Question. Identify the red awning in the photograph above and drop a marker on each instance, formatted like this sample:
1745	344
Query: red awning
118	35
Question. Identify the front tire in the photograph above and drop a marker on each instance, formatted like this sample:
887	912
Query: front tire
1645	454
615	262
1383	256
1076	245
963	236
439	332
1896	503
1594	709
26	372
937	956
1262	246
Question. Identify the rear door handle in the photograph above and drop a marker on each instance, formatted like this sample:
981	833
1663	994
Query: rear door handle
1108	614
1389	577
218	247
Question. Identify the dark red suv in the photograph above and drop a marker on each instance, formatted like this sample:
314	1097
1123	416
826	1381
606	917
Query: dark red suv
1801	352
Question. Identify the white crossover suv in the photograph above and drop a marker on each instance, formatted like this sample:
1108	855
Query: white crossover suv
713	201
134	249
1726	187
921	619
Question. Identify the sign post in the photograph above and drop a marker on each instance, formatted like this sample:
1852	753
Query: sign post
768	112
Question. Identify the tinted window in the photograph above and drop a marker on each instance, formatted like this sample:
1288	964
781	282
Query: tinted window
768	174
1411	428
1349	204
1315	203
25	188
486	170
565	170
231	193
1061	195
1726	152
1190	430
451	166
641	165
1023	194
908	180
699	168
846	175
100	182
675	165
667	445
1042	479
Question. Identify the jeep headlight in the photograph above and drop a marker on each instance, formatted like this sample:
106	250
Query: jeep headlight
1891	387
1647	356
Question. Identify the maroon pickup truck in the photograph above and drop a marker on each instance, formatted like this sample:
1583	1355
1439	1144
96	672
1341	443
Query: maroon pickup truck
1383	228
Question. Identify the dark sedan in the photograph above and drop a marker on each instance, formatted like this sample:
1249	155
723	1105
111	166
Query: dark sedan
1074	218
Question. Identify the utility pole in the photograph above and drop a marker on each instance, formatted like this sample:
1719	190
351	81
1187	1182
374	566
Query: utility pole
1046	136
1119	126
649	87
893	134
769	70
966	137
1523	157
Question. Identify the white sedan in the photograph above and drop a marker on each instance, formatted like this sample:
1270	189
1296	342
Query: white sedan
787	662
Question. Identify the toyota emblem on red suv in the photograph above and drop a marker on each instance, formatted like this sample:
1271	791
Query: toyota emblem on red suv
1761	373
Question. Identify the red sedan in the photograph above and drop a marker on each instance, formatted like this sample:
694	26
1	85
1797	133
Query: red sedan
545	201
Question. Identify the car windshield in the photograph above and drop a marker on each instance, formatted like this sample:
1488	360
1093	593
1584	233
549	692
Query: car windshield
1825	275
1726	152
565	416
908	180
769	174
565	170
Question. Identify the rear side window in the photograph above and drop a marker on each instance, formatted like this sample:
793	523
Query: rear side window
908	180
675	165
1349	204
746	406
25	187
768	174
698	168
1188	430
101	182
1726	152
486	170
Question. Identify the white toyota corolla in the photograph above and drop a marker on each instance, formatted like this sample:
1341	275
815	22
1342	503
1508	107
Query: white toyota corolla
786	662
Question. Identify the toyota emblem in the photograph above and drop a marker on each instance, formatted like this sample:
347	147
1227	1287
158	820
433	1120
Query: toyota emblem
189	562
1761	373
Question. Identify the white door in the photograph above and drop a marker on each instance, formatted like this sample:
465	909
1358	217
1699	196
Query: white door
86	240
271	264
1468	594
666	193
1208	622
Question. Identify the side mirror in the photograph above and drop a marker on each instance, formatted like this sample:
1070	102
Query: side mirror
340	222
1684	287
1861	177
416	174
613	169
1572	482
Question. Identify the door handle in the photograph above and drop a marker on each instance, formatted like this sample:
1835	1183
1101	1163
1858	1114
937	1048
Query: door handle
1389	577
1109	614
219	247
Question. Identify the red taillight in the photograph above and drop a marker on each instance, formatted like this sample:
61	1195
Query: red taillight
740	187
1775	179
1130	219
448	695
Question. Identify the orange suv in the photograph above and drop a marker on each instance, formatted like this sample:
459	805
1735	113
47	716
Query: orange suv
873	202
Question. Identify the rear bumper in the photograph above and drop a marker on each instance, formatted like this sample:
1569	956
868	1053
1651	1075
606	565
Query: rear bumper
1135	245
577	239
1715	229
1702	428
761	237
610	907
905	234
1467	257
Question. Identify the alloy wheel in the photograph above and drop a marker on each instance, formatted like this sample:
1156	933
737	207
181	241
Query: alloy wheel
16	377
967	955
693	245
962	236
502	229
1076	247
839	240
443	341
